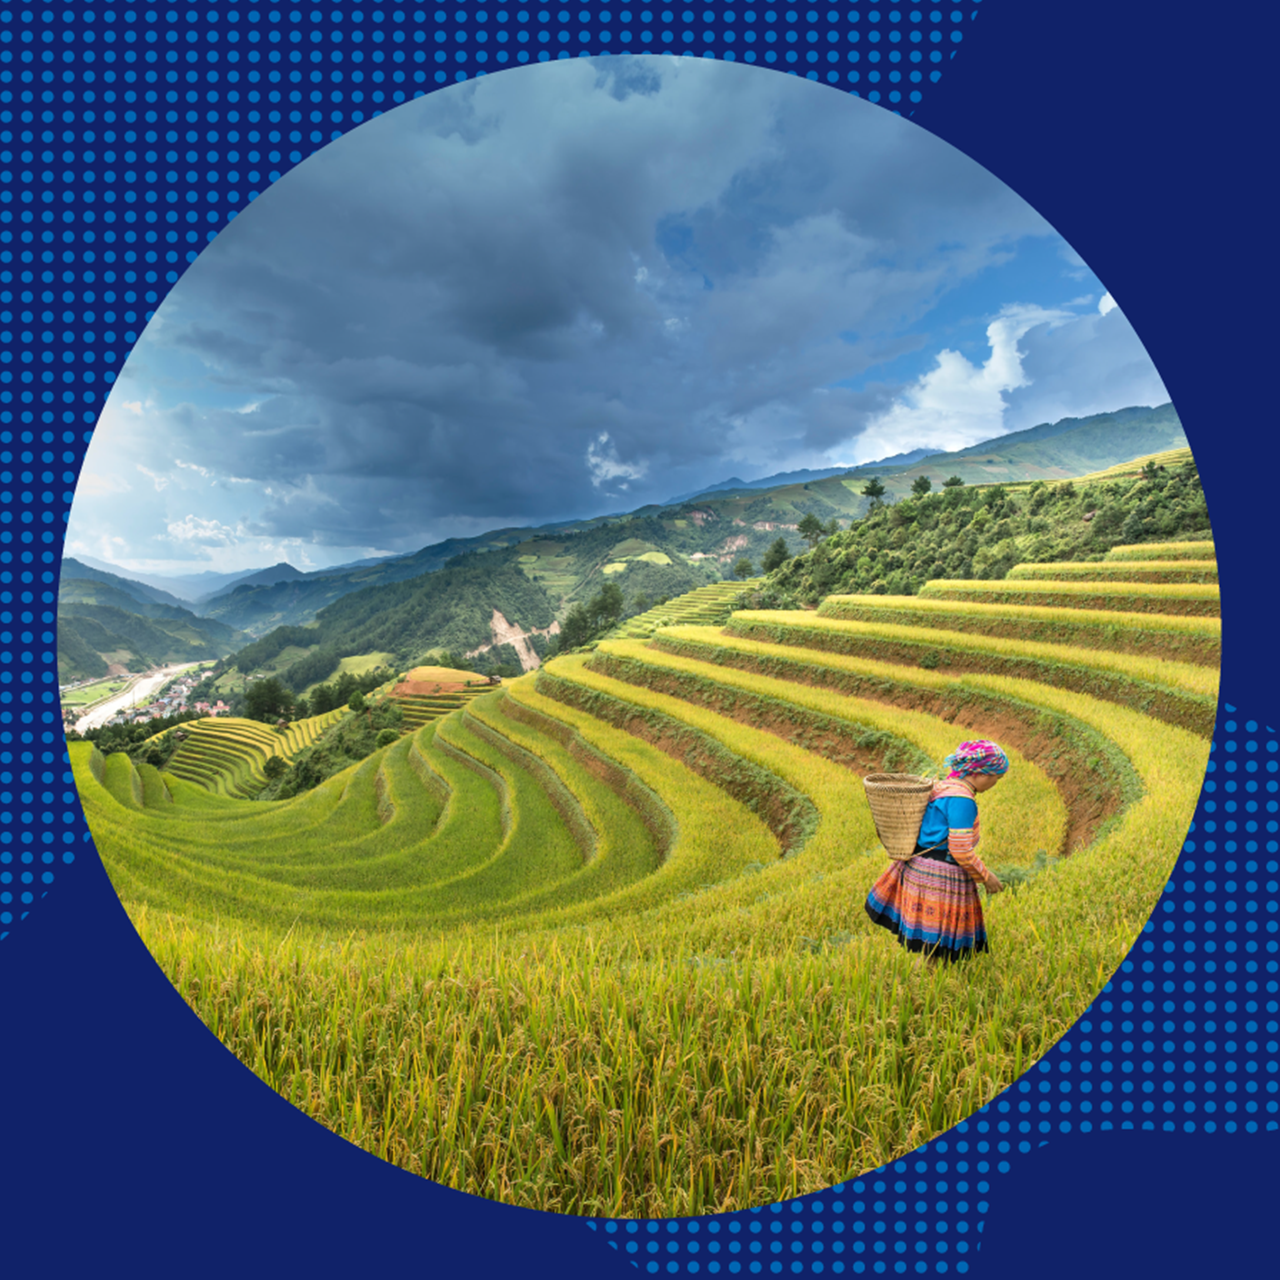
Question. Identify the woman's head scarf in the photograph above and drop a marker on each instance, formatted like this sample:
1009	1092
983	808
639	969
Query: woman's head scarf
977	757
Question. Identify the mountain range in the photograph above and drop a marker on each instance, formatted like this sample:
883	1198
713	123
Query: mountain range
658	550
106	620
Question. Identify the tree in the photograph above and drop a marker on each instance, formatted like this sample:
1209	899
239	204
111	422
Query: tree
776	556
641	603
952	482
744	568
921	485
874	490
584	622
575	630
832	526
356	702
275	768
810	529
268	700
449	659
606	607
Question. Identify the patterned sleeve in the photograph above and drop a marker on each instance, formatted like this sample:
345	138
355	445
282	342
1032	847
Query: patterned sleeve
962	837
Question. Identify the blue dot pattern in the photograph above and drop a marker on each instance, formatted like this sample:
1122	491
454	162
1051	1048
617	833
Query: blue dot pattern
128	136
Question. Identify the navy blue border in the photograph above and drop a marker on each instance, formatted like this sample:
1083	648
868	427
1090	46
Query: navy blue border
133	1139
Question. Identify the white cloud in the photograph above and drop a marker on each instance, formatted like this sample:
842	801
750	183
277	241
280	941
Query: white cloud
160	482
195	529
1106	303
604	464
1094	363
958	403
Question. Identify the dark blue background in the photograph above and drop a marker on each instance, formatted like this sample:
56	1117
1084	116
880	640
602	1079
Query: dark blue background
132	1139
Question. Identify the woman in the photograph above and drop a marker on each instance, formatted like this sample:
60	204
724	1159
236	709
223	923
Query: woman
930	900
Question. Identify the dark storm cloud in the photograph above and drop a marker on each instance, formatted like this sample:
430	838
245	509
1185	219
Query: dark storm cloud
561	290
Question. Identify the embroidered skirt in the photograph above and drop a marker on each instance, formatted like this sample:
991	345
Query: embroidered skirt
930	906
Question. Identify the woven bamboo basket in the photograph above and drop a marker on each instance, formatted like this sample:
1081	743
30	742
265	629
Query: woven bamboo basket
898	802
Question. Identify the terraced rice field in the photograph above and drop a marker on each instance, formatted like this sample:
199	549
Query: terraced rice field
1129	570
712	603
226	754
1165	551
427	693
1176	598
594	942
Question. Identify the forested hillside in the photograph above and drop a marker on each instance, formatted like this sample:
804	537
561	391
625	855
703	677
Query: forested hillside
104	619
969	532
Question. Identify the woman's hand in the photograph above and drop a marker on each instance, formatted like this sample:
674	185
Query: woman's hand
993	882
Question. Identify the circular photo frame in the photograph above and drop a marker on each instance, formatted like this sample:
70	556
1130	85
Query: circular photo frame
738	655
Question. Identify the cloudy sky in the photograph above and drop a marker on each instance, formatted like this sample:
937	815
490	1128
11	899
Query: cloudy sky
575	288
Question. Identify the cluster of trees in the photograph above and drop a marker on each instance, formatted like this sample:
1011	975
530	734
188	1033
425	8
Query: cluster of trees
271	699
340	692
810	528
982	532
260	652
449	609
585	622
372	725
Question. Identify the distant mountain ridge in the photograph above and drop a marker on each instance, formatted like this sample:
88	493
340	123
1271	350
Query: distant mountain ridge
801	477
105	619
727	524
282	572
130	587
188	587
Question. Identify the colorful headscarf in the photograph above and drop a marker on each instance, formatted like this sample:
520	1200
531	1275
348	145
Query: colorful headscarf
977	757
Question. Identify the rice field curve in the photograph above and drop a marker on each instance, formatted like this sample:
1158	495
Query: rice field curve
593	942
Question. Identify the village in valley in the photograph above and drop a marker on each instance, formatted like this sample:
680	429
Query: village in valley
174	698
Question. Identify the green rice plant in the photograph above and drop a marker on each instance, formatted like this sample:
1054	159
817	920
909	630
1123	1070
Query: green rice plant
1180	639
1029	805
1195	599
709	604
155	792
715	836
1077	758
838	635
683	1022
788	813
226	753
1179	693
1163	551
648	1074
1131	570
121	781
626	843
1169	458
1014	877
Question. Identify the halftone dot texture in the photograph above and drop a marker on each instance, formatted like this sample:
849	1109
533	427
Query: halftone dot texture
129	135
